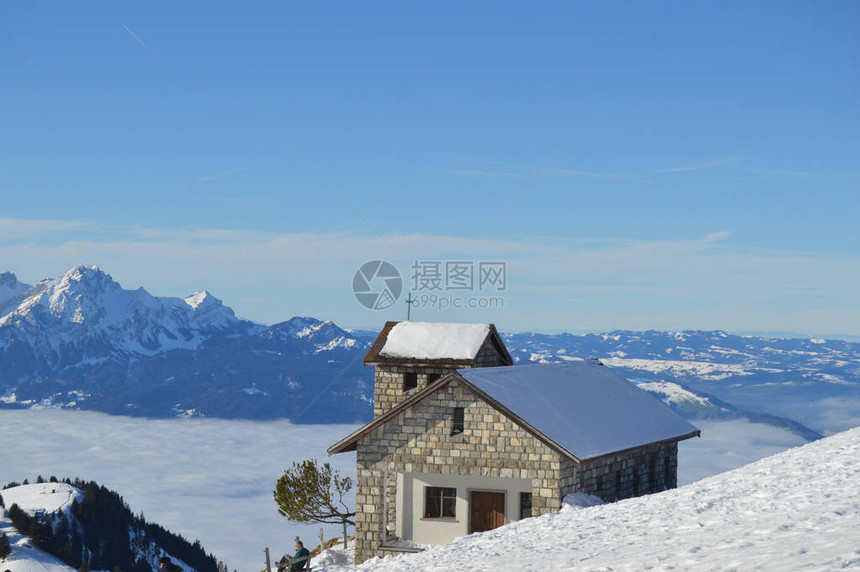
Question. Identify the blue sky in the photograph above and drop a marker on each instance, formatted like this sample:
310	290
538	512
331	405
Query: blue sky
637	165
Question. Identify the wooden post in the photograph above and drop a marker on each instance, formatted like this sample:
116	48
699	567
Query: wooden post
322	539
268	561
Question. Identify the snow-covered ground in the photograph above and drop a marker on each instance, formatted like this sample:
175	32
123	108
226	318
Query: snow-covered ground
49	497
194	475
798	510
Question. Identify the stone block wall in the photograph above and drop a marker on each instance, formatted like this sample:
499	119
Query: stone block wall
419	440
388	385
388	379
637	472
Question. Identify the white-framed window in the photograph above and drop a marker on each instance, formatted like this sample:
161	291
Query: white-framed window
440	502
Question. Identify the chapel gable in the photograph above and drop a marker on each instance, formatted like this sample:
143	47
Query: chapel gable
409	356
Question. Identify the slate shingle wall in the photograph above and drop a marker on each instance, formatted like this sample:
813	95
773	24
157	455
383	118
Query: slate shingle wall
648	469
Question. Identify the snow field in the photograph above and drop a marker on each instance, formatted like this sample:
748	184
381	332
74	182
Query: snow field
798	510
52	497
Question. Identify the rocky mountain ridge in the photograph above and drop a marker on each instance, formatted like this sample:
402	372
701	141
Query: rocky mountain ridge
81	341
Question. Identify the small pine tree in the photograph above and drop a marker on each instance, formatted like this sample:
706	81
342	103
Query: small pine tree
5	547
309	493
1	502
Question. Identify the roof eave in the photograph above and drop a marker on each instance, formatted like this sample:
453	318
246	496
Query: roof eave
350	442
500	345
419	362
690	435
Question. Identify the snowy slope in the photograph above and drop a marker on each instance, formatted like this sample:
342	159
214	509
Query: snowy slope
48	497
54	498
798	510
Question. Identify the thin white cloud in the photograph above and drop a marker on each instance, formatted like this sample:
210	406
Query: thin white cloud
224	175
601	176
793	175
718	236
483	160
554	283
485	174
704	165
32	228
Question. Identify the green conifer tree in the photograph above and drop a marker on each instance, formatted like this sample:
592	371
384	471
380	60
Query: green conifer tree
5	547
309	493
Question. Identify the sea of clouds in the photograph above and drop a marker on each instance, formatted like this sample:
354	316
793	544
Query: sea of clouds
212	479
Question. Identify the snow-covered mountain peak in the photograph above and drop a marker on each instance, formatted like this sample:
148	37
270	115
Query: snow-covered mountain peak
301	326
8	279
85	314
324	335
10	287
80	270
201	299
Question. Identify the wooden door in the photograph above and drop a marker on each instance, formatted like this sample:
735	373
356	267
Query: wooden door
486	511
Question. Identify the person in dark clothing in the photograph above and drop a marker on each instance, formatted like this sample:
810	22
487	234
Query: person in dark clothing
165	565
297	561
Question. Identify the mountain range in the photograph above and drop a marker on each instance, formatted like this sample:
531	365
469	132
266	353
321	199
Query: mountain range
82	341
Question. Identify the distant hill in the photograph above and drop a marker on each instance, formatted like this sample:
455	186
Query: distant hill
83	524
801	379
81	341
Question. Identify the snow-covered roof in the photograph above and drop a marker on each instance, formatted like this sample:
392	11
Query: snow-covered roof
437	342
585	407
